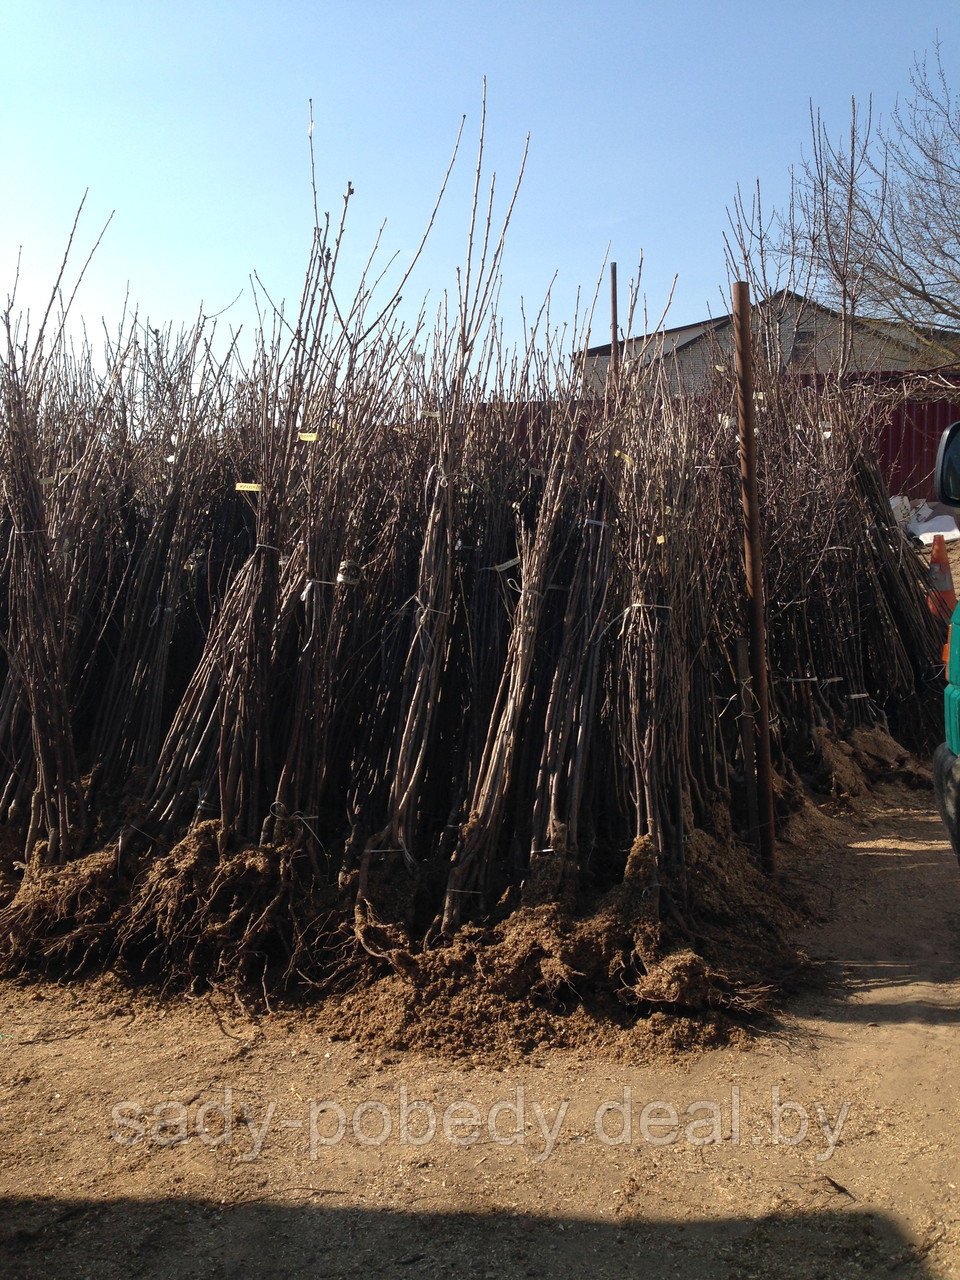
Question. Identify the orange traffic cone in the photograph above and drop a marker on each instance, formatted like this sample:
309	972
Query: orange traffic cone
942	598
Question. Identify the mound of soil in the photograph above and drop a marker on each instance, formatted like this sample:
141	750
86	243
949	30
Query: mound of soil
648	964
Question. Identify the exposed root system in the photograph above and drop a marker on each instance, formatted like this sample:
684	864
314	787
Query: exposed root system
397	670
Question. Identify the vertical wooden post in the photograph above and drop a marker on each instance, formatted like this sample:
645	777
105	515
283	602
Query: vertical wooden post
748	739
614	326
753	560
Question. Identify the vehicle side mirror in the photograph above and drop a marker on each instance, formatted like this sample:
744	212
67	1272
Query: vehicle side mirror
947	474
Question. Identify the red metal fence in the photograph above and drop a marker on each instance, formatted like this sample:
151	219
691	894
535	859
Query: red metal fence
907	443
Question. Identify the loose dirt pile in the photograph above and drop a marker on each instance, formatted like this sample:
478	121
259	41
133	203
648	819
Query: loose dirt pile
650	964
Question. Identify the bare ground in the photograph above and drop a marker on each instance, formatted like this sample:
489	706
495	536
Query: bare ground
875	1195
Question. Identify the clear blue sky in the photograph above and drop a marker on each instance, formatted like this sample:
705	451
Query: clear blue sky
189	120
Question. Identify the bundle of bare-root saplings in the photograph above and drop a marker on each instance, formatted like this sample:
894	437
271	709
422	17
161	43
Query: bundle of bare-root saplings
386	666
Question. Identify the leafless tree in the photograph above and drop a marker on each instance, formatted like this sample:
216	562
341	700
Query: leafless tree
876	215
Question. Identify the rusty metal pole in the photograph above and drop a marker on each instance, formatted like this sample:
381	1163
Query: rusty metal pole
614	326
753	560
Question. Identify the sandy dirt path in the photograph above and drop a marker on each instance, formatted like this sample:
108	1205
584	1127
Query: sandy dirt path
710	1179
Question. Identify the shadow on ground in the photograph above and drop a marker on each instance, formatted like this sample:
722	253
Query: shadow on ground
202	1240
